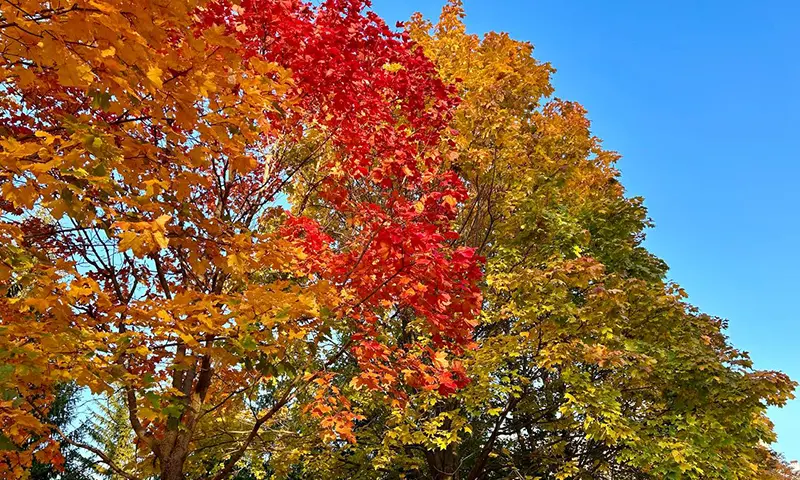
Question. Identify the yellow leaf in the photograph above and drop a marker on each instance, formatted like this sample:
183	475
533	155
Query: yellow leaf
216	36
128	240
154	75
160	239
188	339
148	413
108	52
440	360
85	72
48	139
393	67
161	221
242	164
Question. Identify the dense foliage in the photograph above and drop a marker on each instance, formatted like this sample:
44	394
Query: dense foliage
271	238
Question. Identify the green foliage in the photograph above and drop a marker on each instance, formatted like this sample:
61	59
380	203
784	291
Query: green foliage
109	430
63	414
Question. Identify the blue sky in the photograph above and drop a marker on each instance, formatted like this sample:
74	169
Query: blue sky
702	99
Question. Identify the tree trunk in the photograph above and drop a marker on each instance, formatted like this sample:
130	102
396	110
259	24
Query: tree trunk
172	469
443	464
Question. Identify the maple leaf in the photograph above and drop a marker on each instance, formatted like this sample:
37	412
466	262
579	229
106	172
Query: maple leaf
154	75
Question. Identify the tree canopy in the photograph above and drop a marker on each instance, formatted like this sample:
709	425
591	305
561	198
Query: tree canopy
279	239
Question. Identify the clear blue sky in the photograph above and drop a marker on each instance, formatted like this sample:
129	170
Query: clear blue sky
702	99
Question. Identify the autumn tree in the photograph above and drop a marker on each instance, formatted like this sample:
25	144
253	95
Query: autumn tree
148	154
590	365
775	467
257	229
